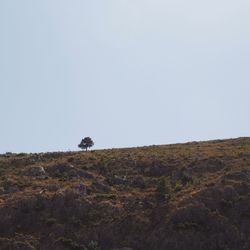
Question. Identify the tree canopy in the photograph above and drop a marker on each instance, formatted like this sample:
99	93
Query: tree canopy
86	143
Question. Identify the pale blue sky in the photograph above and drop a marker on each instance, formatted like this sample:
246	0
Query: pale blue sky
125	72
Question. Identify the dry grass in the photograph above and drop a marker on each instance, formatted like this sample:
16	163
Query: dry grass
117	191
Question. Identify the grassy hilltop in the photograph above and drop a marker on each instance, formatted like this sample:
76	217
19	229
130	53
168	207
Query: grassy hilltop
182	196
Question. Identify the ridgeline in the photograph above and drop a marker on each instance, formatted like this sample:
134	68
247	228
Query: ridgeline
179	197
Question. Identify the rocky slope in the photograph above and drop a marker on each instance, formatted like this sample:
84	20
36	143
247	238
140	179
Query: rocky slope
182	196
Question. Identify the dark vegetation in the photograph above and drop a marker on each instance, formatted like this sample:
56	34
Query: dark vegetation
182	196
86	143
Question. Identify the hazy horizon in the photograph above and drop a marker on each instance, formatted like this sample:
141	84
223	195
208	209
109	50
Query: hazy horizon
127	73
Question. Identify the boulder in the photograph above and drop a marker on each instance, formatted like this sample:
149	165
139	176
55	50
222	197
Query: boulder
34	171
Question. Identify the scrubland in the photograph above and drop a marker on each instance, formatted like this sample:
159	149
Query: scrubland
182	196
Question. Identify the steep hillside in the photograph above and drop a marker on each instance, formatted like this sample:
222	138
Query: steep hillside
182	196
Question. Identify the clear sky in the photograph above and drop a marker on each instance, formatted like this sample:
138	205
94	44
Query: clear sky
124	72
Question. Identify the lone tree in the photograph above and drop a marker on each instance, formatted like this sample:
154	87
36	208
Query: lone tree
86	143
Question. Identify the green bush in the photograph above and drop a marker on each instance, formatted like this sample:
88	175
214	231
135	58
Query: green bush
161	188
69	243
177	186
93	245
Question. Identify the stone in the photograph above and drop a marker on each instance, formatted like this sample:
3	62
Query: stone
34	171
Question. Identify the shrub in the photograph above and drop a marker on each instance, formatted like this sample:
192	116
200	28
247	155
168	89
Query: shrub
69	243
177	186
93	245
123	248
39	205
50	222
161	188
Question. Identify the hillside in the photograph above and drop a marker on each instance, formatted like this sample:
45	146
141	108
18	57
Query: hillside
178	197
